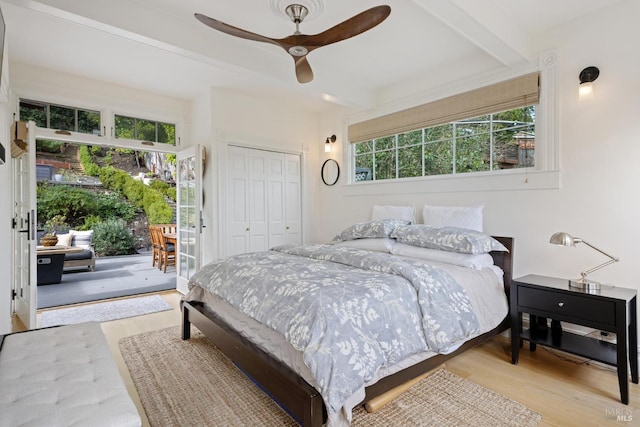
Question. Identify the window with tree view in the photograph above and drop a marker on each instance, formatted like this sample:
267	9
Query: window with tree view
490	142
145	130
60	117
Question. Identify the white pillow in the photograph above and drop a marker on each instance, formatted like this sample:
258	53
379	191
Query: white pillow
65	239
407	213
378	245
475	261
454	216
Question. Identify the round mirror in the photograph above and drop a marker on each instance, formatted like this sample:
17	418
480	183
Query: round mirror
330	172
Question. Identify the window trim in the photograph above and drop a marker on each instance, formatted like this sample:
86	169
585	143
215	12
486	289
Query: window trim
544	175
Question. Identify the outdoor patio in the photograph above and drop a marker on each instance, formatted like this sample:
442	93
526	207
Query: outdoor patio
114	277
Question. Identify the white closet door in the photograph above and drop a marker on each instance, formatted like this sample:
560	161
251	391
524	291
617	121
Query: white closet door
263	200
258	202
237	201
276	183
293	200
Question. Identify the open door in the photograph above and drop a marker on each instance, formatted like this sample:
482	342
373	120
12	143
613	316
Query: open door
25	278
189	206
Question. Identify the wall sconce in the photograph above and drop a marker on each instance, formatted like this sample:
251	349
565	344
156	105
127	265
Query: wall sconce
327	144
587	77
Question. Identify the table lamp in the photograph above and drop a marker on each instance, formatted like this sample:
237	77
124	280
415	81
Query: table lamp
565	239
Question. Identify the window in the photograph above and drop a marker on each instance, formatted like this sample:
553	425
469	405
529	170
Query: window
489	142
145	130
478	130
60	117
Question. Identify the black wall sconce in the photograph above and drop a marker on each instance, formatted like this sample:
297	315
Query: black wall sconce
587	77
327	144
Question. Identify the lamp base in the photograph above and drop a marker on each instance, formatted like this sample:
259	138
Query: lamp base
585	285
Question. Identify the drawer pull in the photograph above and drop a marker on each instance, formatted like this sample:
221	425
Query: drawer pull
560	304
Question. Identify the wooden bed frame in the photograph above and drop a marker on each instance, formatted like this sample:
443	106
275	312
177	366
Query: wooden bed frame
287	387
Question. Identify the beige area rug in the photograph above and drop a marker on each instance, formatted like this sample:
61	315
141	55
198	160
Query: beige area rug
190	383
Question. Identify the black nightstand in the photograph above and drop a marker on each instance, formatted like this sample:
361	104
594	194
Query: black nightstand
611	309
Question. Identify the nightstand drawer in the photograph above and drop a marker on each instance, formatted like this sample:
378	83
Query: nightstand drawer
568	306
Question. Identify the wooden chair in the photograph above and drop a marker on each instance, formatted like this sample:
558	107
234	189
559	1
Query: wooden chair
167	250
155	246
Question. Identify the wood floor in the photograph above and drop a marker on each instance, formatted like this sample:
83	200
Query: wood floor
564	389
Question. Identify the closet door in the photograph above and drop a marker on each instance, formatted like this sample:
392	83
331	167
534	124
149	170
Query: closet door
258	227
237	201
263	200
293	200
277	198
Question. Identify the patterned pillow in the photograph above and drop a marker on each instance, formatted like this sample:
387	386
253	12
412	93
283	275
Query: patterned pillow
368	230
82	239
452	239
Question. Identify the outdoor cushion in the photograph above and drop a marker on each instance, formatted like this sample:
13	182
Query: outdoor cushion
85	254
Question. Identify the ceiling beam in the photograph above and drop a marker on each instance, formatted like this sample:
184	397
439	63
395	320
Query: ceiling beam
485	25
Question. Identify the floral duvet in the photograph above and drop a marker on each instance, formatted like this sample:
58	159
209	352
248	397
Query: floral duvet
348	311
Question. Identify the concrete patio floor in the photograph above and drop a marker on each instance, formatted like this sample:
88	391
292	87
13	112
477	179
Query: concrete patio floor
114	277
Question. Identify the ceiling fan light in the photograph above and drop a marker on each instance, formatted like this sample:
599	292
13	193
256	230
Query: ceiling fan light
298	50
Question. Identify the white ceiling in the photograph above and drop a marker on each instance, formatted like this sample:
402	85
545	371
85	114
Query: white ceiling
157	45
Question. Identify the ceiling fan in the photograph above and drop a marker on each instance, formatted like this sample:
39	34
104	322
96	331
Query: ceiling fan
299	45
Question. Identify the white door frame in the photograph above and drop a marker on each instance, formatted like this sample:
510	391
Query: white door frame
25	280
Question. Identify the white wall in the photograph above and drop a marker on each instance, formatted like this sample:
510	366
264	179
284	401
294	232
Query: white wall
238	119
6	234
599	146
6	206
68	89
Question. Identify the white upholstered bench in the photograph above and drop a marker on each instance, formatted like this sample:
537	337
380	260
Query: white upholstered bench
62	376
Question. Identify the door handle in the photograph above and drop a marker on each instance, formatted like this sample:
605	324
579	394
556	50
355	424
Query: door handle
29	227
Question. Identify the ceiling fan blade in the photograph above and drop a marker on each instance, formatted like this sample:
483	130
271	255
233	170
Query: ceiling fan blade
353	26
304	74
233	31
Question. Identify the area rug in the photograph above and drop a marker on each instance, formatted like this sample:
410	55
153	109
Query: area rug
104	311
191	383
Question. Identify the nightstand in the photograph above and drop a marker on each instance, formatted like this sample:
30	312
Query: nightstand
611	309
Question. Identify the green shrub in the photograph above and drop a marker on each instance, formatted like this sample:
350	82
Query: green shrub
71	202
164	188
90	222
111	205
86	160
171	193
120	181
92	170
79	205
134	191
47	146
159	213
111	237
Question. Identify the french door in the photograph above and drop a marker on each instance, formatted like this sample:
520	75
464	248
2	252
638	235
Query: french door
25	275
189	206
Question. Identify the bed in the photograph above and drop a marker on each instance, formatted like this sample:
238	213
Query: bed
283	367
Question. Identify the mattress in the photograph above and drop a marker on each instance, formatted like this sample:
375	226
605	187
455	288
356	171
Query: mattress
484	288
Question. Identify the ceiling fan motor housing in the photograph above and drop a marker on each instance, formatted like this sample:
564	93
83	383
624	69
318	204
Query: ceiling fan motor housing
297	12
